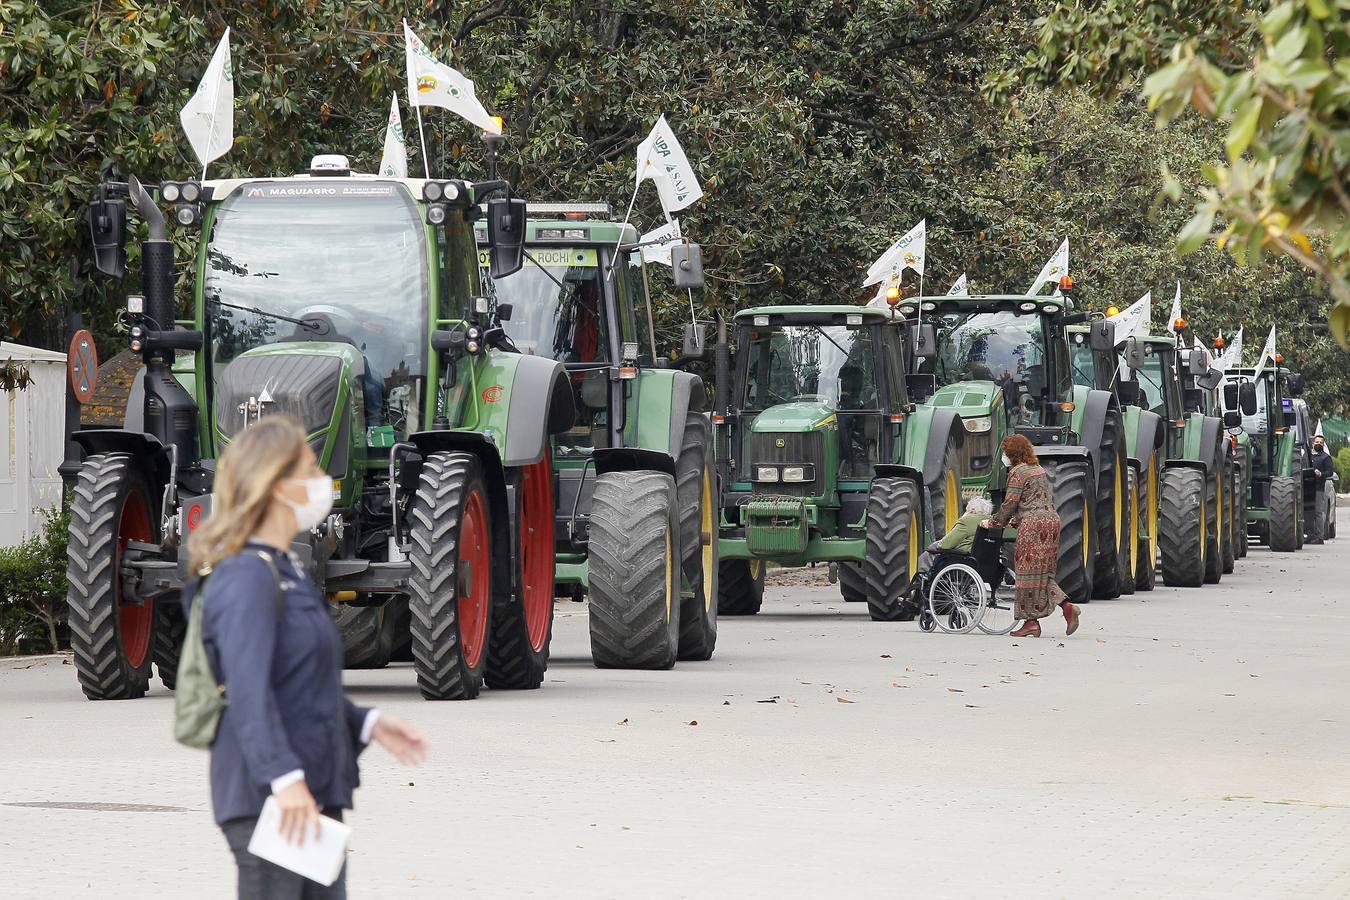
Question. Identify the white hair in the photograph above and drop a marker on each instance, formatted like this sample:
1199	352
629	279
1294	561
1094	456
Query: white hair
980	506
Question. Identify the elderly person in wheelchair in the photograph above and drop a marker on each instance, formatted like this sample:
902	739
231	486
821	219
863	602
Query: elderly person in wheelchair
969	573
958	540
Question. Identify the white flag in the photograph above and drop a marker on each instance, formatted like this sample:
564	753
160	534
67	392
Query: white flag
1267	353
1132	321
1232	357
1176	311
208	118
661	240
394	162
1055	268
1317	432
433	83
906	253
959	288
661	158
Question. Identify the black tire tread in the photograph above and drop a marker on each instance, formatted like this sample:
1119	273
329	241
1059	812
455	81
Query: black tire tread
892	509
698	616
1284	509
1107	573
739	593
1179	510
1069	486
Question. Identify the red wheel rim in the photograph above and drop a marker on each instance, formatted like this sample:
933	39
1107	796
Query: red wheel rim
135	623
536	550
473	606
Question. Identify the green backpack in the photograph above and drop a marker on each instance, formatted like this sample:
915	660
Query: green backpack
198	699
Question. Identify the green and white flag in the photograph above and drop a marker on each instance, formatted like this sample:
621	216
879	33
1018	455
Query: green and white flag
1132	321
394	162
959	288
208	118
661	158
906	253
1055	268
660	241
1267	353
433	83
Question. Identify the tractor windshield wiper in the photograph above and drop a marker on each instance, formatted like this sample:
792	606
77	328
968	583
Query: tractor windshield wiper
310	324
530	257
820	331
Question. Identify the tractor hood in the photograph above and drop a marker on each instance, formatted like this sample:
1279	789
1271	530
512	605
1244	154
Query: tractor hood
967	398
800	415
316	382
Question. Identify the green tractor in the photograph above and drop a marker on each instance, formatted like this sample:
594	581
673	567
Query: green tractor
1281	487
352	303
1003	364
636	502
1195	479
823	456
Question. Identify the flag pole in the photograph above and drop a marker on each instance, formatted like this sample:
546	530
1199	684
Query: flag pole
617	244
426	162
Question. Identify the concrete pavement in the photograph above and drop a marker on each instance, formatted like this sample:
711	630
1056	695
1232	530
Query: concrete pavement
1185	743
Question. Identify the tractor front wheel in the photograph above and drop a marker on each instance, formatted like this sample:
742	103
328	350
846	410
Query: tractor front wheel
634	573
1285	506
368	634
1111	505
1214	526
740	587
696	493
1229	555
1072	490
523	629
1146	568
1182	527
1129	536
170	629
450	576
852	584
893	536
111	633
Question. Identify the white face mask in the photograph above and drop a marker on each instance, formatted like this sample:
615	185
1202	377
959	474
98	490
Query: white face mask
318	502
1007	463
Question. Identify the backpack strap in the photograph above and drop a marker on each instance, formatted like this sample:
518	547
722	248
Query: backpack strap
276	579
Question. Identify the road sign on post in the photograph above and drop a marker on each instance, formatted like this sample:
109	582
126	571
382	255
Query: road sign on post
82	364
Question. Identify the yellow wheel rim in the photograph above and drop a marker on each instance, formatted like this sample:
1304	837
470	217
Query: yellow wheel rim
757	569
1134	531
707	537
670	576
1204	531
1153	510
913	561
1218	517
953	510
1118	505
1086	520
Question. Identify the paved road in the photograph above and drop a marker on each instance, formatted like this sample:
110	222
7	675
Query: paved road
1187	743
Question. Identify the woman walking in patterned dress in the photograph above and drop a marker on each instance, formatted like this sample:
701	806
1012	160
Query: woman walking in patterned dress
1029	507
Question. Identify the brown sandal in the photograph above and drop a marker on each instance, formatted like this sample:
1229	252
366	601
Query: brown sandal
1071	617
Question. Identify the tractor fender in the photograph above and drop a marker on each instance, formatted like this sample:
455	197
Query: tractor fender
494	476
656	407
1186	464
686	394
1064	453
145	449
540	393
633	459
1149	438
891	470
1098	406
923	455
1211	441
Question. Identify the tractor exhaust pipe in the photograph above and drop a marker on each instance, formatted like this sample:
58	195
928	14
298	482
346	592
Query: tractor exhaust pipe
156	265
722	369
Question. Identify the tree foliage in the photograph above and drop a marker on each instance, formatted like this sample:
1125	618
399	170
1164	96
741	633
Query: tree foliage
33	588
821	129
1277	75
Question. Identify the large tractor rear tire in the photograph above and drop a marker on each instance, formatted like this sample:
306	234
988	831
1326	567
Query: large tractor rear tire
1146	569
367	635
634	571
695	490
1129	550
450	576
522	630
1182	525
852	584
944	494
170	629
1214	519
893	544
1240	476
1071	488
1285	506
1111	506
1229	552
112	635
740	586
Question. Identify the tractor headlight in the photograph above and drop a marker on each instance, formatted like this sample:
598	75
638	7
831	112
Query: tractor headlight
978	424
192	191
432	191
185	215
795	473
436	214
169	192
1027	307
766	473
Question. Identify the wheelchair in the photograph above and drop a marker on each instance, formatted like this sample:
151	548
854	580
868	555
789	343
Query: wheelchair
965	591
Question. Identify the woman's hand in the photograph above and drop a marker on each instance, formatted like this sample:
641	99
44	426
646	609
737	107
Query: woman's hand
406	743
987	523
298	812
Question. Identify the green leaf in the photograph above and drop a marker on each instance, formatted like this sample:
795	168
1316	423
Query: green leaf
1243	129
1195	233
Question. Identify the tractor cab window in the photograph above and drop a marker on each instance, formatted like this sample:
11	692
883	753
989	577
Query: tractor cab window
345	268
832	367
1153	384
558	310
1001	347
1082	361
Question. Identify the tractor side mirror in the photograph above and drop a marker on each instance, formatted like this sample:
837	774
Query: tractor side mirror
1198	363
686	266
1102	335
923	342
1230	395
1232	419
920	386
506	235
1290	418
1128	391
1209	380
1247	398
444	341
695	341
1295	385
1134	354
108	235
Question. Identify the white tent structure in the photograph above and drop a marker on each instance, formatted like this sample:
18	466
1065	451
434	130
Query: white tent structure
32	441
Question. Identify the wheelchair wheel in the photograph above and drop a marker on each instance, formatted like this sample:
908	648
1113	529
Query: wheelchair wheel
956	598
926	622
999	617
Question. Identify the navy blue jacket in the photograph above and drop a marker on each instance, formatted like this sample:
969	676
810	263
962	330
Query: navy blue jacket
283	685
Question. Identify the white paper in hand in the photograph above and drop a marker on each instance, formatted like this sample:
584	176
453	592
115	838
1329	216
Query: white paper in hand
318	860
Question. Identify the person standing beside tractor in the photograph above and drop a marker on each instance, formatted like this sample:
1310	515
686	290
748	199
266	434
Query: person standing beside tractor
1324	467
287	730
1028	506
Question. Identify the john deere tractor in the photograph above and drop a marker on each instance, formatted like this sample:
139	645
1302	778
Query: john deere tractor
634	521
1282	486
1196	476
1003	364
352	303
824	456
